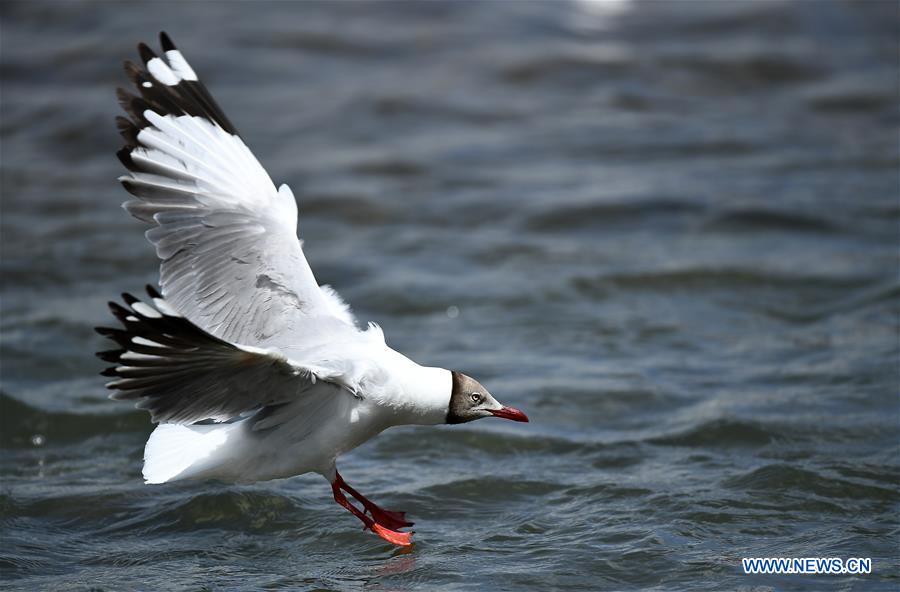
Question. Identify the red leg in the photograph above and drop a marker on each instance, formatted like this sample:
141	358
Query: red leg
389	518
391	536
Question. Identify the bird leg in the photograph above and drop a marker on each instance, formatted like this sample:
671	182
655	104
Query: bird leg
389	518
388	534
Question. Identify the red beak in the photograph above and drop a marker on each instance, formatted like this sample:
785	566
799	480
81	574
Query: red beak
509	413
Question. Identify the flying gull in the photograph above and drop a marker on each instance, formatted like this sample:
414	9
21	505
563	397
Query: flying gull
252	370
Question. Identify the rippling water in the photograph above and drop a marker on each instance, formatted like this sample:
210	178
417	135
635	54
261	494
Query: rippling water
668	231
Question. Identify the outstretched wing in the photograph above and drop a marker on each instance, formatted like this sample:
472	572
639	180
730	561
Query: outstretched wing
182	374
231	260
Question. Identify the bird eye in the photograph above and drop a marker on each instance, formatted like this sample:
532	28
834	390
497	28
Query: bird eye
476	397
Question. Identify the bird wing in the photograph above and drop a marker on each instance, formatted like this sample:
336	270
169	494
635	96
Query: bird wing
182	374
231	259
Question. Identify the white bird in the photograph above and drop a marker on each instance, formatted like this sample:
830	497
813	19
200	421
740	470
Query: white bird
252	370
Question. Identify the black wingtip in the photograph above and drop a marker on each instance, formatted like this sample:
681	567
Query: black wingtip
134	106
153	292
139	105
110	355
146	53
166	41
128	131
124	96
124	155
133	71
111	371
129	299
120	312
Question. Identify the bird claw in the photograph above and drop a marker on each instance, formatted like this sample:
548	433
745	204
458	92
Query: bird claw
392	536
389	518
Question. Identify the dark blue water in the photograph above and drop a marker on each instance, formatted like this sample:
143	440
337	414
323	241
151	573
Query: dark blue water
668	231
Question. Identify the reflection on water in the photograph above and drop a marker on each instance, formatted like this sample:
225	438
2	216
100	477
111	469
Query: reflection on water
402	561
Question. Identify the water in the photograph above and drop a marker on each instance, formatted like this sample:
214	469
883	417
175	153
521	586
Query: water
668	231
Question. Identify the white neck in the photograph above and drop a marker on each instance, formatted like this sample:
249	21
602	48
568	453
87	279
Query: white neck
420	395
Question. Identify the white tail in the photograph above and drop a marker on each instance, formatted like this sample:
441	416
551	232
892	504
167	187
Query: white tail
176	452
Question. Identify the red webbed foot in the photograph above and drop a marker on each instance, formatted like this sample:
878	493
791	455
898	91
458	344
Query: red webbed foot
392	536
384	523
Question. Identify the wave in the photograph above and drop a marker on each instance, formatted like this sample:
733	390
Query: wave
730	278
462	440
612	215
22	425
758	219
872	294
781	479
475	488
586	67
719	433
232	509
353	209
134	509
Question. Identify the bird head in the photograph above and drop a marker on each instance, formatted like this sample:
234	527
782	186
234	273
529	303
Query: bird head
469	401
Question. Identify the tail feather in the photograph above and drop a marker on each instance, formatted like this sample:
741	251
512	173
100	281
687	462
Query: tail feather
176	452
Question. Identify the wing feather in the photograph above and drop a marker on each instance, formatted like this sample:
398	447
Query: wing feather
182	374
218	220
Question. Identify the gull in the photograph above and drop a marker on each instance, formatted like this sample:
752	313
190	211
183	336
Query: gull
251	369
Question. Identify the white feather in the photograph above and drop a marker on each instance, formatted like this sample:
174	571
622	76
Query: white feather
218	189
161	72
177	451
180	65
164	308
147	311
